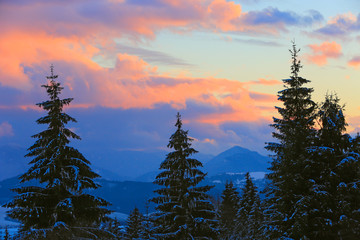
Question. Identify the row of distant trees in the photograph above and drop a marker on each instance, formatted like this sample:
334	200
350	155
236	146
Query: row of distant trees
312	191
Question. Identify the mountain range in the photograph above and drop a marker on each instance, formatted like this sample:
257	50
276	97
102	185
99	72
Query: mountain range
127	179
140	165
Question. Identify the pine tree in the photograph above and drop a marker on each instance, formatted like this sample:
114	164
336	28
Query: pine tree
289	190
229	207
113	227
148	224
249	215
59	207
184	209
335	192
134	226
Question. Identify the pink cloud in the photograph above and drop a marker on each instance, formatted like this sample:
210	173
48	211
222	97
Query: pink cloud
321	53
70	35
6	129
354	62
132	83
97	20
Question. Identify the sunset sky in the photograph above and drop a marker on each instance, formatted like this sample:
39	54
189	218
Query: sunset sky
131	65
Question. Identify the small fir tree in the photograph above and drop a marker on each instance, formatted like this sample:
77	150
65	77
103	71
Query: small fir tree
288	193
229	207
184	209
148	224
249	216
59	208
134	226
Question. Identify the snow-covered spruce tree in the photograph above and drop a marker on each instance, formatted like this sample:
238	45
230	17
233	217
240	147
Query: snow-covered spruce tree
336	191
184	209
134	226
114	227
229	207
249	215
148	224
59	208
289	189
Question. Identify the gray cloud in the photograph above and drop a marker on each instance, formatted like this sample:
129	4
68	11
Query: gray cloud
152	56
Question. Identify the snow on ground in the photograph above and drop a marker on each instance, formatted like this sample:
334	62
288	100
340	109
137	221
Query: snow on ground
12	231
257	175
121	217
5	221
254	175
12	226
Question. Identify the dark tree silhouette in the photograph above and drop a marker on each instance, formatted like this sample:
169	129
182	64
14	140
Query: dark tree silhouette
335	193
134	226
229	207
60	206
249	216
289	190
185	211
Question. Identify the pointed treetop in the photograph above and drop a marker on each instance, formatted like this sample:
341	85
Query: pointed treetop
178	122
53	88
52	76
296	64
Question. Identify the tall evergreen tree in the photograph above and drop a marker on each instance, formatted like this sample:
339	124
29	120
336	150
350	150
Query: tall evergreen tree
289	189
134	226
249	215
335	193
229	207
60	206
185	211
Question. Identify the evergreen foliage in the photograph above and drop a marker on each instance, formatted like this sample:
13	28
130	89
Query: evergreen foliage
229	207
289	190
113	227
335	193
134	227
148	224
60	207
184	208
249	215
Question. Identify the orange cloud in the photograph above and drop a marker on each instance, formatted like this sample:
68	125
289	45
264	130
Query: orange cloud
132	83
321	53
354	62
71	41
118	18
222	13
26	49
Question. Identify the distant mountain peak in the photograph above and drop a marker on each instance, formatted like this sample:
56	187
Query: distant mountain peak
237	160
238	149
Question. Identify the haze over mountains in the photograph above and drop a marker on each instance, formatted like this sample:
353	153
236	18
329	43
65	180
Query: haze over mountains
140	165
127	175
